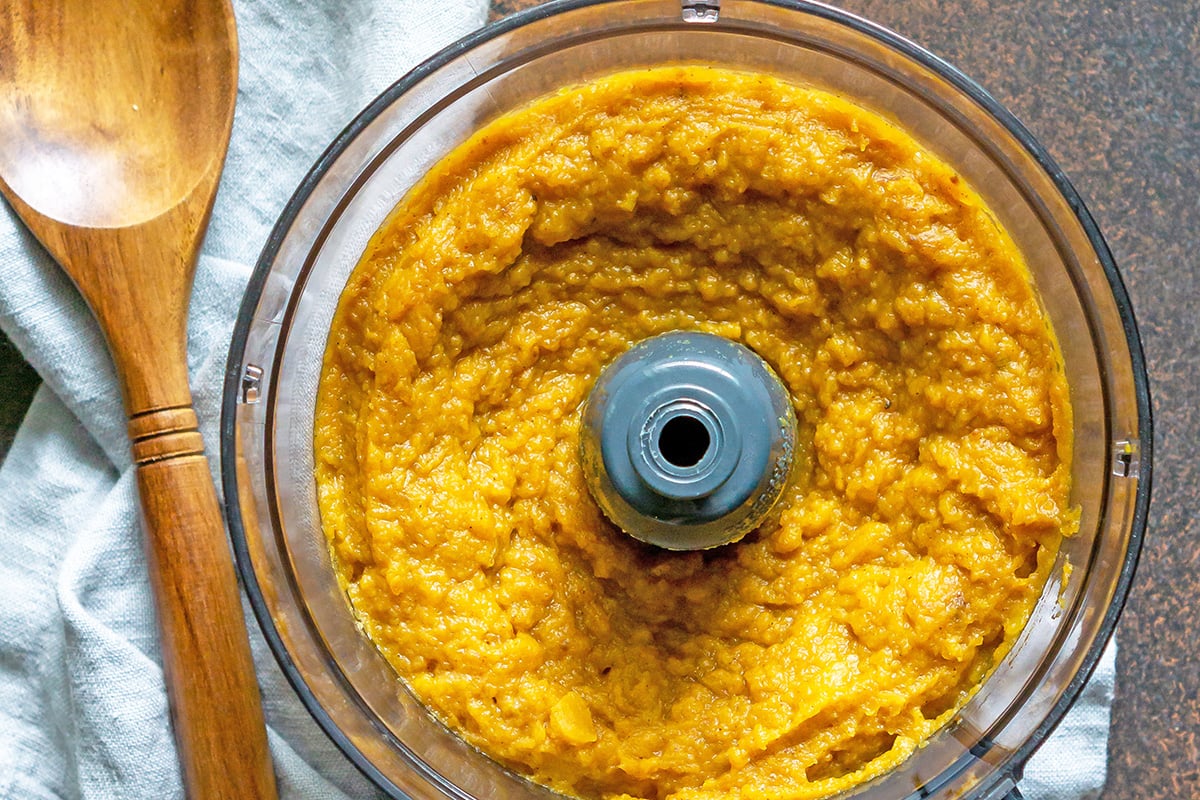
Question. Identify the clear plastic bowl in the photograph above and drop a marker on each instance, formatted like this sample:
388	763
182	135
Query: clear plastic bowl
275	361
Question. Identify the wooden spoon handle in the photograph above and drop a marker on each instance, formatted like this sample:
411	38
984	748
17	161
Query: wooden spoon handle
214	699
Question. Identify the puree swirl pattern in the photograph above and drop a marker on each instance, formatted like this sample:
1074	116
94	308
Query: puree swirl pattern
932	490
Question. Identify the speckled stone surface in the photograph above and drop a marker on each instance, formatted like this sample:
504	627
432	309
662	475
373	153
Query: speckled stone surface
1112	89
17	384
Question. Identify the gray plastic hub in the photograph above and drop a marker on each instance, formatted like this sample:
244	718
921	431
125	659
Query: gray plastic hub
688	440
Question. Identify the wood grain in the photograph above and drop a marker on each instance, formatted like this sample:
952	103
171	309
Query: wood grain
215	708
114	122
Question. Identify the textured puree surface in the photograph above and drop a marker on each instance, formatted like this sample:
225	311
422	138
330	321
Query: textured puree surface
926	514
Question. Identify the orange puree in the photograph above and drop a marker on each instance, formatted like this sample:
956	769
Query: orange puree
929	504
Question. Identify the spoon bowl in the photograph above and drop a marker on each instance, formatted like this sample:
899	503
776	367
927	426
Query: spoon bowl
86	148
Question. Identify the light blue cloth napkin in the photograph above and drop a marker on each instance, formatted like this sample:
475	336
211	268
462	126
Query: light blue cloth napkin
82	705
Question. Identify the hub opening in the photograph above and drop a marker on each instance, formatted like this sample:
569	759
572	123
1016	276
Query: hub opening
684	441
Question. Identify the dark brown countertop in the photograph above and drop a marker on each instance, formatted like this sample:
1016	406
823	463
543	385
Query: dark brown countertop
1112	88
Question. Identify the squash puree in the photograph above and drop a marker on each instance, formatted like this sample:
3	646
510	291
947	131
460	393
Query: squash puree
926	513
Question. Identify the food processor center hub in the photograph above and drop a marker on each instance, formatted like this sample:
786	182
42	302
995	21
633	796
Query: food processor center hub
688	441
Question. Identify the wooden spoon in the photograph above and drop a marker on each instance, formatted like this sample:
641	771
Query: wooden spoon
114	122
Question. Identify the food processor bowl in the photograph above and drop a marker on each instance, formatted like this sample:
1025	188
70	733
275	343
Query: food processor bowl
276	359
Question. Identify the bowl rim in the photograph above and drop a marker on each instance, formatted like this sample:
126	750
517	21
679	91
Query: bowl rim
1015	760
